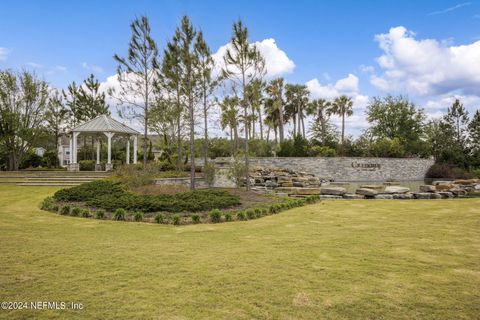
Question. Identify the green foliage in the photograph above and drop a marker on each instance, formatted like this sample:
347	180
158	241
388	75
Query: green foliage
87	165
75	211
136	175
476	173
85	213
215	215
264	211
193	201
138	216
171	174
48	204
258	212
274	208
119	214
176	220
65	210
250	214
322	151
386	147
195	218
298	147
209	173
164	165
228	216
241	216
100	214
237	171
90	190
31	160
447	171
159	218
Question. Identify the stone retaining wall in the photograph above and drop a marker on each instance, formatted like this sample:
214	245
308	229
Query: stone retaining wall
349	168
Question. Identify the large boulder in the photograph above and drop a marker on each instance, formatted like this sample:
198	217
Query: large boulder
372	186
444	187
435	195
366	192
353	196
445	194
334	191
384	196
427	188
271	184
396	189
402	196
421	195
477	186
465	181
329	196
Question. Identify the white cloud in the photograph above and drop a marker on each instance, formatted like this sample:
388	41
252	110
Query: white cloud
277	62
92	67
426	67
348	86
366	69
3	53
439	105
35	65
455	7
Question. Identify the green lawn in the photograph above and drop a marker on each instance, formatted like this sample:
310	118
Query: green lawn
334	260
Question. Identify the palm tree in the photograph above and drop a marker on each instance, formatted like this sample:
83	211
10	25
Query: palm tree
230	118
272	118
275	91
255	99
297	101
342	106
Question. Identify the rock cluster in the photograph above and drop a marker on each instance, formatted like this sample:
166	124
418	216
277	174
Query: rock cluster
300	184
283	178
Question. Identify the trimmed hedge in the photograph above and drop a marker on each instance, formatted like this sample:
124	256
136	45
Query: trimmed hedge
89	190
194	201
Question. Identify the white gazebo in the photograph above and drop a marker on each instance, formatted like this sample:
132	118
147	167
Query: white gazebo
96	127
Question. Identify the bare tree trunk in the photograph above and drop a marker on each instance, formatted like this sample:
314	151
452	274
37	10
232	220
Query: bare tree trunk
260	122
205	115
192	145
280	109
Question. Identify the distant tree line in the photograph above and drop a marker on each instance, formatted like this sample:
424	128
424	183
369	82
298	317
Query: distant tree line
172	92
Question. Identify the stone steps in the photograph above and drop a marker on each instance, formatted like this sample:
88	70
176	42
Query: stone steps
50	178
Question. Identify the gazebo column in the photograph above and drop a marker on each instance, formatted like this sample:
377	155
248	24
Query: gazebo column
128	151
70	150
109	165
73	154
135	148
98	166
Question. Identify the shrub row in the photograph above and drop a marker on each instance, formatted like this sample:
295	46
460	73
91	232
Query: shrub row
90	190
194	201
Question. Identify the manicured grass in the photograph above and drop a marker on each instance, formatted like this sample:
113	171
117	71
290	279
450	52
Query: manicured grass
334	260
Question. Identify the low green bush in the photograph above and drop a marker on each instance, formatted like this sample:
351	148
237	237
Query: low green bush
228	216
264	211
65	210
176	220
47	204
75	211
119	214
215	215
87	165
90	190
258	212
100	214
274	208
195	218
138	216
193	201
159	218
241	216
54	208
250	214
85	213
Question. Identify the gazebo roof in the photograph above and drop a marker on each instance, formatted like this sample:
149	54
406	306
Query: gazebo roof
104	123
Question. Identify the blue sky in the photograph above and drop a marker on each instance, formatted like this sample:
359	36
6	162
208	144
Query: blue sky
65	41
